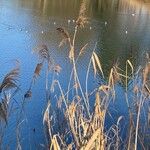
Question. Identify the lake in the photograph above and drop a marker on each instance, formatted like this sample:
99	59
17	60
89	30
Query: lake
121	29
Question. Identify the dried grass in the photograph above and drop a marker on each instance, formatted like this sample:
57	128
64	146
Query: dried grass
71	54
54	144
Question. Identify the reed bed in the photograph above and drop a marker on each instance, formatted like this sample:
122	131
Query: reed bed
74	124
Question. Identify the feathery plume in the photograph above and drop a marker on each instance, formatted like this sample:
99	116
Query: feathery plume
65	36
10	80
38	69
82	19
4	107
43	52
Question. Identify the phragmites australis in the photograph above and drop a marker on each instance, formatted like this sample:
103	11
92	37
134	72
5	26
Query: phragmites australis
82	18
10	80
38	69
65	36
43	52
4	107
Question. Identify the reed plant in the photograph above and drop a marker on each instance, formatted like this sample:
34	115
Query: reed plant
87	126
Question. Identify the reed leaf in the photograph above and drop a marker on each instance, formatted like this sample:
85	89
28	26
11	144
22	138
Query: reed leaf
46	122
95	60
46	114
94	65
83	49
130	64
114	76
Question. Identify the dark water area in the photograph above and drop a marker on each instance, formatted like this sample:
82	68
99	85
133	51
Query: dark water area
121	29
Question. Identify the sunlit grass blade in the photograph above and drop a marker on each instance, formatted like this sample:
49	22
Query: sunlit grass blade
130	64
83	49
91	143
46	123
54	144
97	60
94	65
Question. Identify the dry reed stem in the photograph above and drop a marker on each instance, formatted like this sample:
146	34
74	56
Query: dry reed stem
71	54
92	142
72	119
93	129
54	143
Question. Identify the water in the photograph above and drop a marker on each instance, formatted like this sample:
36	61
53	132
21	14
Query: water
121	29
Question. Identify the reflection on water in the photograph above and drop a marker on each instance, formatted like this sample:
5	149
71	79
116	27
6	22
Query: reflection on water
125	35
122	6
121	28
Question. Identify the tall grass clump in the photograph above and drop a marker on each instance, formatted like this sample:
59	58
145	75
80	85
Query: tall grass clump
74	124
83	127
